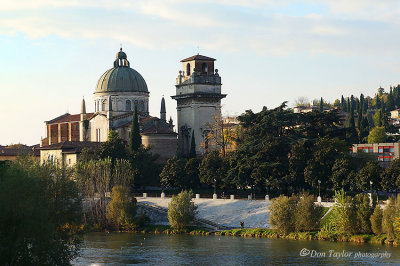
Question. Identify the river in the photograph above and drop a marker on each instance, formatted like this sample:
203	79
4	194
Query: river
129	248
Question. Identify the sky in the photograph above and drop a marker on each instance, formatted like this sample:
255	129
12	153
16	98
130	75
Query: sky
52	53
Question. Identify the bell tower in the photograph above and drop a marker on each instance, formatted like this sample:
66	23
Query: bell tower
198	96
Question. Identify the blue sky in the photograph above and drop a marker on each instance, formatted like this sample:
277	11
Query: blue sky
53	52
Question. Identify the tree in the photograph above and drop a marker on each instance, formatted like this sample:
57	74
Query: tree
211	169
40	210
121	210
377	135
391	176
370	172
321	105
135	139
173	173
281	214
363	213
307	214
113	148
352	135
342	212
181	210
378	119
341	170
376	220
192	152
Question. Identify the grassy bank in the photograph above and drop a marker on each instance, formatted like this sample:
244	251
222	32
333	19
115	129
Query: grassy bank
270	233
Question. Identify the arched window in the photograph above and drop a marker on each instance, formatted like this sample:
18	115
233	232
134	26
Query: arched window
188	69
141	106
204	68
128	106
97	103
103	105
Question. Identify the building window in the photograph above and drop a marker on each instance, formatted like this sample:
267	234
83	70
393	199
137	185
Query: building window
103	105
69	161
141	106
98	135
188	69
204	68
128	106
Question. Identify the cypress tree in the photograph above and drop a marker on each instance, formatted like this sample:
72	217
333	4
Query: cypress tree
348	105
192	152
352	132
135	140
343	103
321	105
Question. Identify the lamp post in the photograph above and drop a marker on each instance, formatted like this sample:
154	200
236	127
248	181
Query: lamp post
215	186
319	188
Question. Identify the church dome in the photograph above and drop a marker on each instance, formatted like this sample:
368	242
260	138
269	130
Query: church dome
121	78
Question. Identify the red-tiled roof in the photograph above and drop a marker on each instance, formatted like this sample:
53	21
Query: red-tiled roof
69	118
198	57
6	151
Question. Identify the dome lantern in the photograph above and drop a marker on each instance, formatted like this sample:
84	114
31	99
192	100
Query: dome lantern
121	59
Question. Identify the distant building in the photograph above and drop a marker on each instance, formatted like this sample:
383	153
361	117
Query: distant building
65	153
119	91
11	152
385	152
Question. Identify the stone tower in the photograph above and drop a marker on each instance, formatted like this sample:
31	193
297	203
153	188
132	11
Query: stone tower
198	96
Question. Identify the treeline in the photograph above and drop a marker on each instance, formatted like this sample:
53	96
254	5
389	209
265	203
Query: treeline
370	113
282	151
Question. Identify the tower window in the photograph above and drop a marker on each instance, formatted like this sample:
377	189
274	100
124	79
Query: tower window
204	68
103	105
188	69
141	106
128	106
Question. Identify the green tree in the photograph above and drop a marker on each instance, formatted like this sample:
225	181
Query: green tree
173	173
121	210
363	213
40	210
391	176
376	220
212	168
113	148
181	210
341	170
342	211
135	139
192	173
192	152
307	214
370	172
377	135
321	105
352	135
281	214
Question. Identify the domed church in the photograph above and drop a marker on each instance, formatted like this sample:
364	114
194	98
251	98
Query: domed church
118	91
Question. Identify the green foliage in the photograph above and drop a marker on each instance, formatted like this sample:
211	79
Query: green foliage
376	220
40	207
343	213
363	213
173	173
192	152
135	139
370	172
113	148
391	176
341	170
389	213
306	214
281	214
147	172
212	167
377	135
121	210
181	210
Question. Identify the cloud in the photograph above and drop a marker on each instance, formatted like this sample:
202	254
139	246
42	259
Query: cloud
266	27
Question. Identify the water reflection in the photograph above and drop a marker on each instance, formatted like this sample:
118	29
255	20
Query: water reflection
127	248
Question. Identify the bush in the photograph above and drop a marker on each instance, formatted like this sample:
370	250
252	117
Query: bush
281	214
307	214
363	212
122	208
388	218
343	213
376	220
181	210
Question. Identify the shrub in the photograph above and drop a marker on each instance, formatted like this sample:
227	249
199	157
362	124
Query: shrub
181	210
388	217
376	220
363	212
122	208
281	214
306	213
343	213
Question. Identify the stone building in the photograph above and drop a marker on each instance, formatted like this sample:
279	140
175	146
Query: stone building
119	90
198	96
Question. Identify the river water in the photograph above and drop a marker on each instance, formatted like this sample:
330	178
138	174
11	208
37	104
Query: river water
146	249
